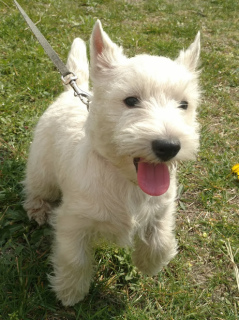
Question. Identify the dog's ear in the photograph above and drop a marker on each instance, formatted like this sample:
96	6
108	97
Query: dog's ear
190	57
104	53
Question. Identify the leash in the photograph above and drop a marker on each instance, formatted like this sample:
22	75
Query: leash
67	76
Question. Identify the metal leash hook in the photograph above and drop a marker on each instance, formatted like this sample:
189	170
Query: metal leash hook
70	78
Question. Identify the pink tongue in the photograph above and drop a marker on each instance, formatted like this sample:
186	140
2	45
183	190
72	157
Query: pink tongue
153	179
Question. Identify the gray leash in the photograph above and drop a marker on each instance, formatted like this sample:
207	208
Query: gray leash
67	76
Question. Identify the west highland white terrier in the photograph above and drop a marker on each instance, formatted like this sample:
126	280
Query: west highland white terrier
111	172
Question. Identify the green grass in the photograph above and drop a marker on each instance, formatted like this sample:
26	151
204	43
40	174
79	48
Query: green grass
200	283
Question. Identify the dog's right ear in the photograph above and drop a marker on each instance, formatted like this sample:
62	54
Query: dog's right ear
104	53
190	57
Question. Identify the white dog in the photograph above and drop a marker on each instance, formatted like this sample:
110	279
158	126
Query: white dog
112	170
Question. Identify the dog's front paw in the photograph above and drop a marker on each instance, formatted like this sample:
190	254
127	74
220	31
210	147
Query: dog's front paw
70	297
150	261
70	289
148	267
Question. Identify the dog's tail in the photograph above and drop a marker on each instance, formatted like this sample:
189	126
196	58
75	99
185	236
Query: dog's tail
77	63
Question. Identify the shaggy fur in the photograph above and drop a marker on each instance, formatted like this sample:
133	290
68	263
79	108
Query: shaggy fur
87	172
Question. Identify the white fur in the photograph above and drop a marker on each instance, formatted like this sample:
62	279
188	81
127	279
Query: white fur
80	171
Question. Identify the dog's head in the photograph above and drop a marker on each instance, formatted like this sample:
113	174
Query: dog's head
143	114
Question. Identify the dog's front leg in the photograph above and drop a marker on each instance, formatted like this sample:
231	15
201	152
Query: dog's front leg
72	259
156	247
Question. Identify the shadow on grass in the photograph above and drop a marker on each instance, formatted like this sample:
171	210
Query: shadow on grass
100	304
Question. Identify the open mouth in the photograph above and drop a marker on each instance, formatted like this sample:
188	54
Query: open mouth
153	179
136	161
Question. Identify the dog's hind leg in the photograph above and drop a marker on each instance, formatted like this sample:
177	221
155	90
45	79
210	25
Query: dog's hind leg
39	206
72	258
40	187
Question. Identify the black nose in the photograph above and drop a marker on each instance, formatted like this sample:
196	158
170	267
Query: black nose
165	149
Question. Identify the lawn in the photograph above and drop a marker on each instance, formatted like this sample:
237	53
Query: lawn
201	282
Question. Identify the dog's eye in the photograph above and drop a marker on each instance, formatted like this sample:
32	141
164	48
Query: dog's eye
183	105
131	102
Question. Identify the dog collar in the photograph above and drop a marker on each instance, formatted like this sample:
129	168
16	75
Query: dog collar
67	76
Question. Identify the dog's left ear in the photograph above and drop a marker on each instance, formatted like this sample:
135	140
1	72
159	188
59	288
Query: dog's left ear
190	57
104	53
